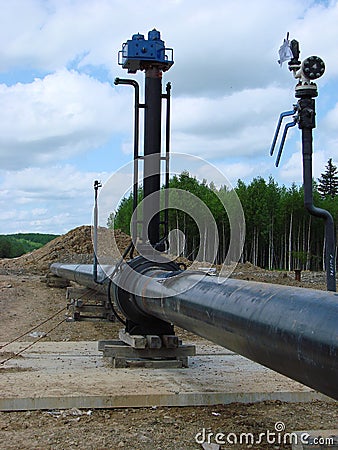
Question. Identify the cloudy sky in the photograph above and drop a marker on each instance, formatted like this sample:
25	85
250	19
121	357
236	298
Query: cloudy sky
64	124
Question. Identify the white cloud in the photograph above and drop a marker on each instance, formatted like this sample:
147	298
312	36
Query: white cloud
291	169
52	199
58	198
328	134
48	35
240	124
227	91
238	171
57	182
317	32
56	117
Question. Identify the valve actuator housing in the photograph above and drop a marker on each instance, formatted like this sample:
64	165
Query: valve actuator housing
139	53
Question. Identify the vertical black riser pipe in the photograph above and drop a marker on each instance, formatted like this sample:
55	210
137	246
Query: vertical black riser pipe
152	153
306	124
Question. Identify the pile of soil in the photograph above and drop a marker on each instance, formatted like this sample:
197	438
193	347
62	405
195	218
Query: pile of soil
74	247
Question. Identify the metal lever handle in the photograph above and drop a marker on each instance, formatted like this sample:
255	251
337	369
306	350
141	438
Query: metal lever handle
286	129
282	115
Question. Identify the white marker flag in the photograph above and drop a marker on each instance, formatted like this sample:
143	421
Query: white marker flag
285	53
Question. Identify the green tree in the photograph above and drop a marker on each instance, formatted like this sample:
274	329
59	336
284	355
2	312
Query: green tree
121	218
38	238
5	247
123	215
280	233
328	182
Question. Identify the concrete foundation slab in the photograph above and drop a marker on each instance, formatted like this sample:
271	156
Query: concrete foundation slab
61	375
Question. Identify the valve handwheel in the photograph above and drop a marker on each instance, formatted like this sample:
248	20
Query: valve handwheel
313	67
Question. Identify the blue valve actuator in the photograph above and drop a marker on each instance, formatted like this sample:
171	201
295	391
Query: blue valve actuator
139	53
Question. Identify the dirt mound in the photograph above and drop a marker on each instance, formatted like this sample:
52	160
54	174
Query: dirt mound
74	247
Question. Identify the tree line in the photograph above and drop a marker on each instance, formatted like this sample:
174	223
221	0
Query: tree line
14	245
280	233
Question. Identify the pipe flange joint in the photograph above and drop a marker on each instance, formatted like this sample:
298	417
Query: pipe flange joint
123	289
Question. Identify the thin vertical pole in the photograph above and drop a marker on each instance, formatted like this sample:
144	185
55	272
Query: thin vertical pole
167	156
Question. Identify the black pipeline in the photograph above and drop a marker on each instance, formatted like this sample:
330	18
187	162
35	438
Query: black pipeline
290	330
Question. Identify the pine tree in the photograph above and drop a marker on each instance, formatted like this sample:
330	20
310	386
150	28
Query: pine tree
328	182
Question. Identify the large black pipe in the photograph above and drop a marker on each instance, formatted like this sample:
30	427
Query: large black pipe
83	274
152	153
290	330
